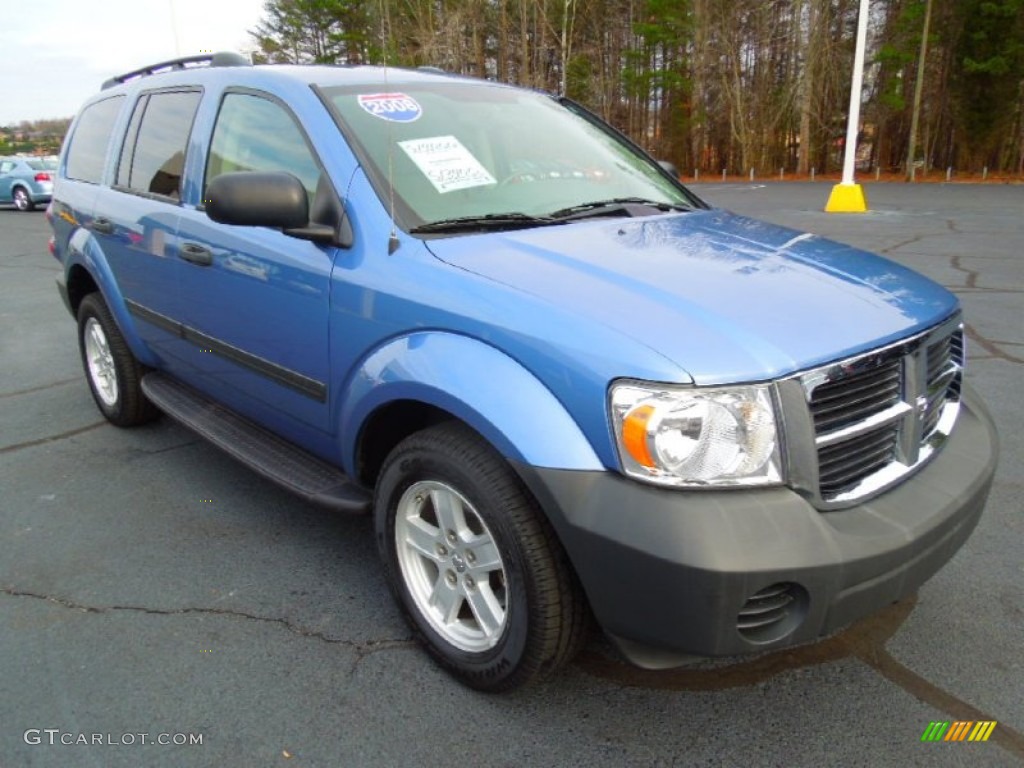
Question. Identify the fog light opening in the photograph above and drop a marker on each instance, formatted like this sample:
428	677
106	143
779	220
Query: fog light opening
772	613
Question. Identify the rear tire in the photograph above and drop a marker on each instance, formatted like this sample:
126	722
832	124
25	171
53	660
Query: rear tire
113	373
22	200
474	564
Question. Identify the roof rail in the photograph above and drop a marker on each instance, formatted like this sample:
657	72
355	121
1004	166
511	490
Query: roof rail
219	59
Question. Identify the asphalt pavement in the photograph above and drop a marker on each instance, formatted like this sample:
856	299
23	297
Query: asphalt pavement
152	589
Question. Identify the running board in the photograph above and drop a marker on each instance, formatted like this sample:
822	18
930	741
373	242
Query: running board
271	456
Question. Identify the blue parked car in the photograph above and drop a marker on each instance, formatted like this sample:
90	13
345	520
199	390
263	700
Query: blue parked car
26	182
567	389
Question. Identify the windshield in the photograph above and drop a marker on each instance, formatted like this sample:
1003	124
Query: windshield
457	150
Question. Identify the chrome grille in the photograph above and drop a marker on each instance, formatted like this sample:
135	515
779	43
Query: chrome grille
875	417
945	361
854	398
845	464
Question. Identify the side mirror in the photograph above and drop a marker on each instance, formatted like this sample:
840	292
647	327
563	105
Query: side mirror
247	198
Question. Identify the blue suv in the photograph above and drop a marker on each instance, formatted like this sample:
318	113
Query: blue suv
566	388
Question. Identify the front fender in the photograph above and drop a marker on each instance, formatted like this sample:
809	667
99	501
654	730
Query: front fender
85	252
476	383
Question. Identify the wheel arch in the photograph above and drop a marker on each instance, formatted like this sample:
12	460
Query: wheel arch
414	381
80	284
87	271
386	427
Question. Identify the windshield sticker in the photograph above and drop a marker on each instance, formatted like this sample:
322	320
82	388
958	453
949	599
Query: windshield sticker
447	163
394	107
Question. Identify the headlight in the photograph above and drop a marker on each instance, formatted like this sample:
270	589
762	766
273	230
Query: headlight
691	437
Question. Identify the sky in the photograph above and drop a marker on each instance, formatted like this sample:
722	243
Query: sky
57	53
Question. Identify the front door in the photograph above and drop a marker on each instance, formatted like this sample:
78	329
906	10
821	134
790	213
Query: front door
256	300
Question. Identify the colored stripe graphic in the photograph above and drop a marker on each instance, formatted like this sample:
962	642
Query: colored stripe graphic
982	731
960	730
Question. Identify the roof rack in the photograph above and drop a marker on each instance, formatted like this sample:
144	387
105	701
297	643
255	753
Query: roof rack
219	59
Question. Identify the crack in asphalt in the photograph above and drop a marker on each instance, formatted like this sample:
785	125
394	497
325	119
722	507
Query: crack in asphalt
864	640
38	267
904	243
990	346
53	438
168	449
972	275
40	388
994	348
361	649
24	255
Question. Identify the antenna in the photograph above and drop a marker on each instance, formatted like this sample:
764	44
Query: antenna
385	21
174	27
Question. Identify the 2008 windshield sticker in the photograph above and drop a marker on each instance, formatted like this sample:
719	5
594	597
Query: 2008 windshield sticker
446	162
394	107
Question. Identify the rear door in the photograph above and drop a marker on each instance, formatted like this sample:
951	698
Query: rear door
136	218
256	300
84	164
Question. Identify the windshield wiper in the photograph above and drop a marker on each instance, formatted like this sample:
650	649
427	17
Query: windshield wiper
486	222
613	206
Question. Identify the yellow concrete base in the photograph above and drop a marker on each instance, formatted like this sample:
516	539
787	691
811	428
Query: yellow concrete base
847	198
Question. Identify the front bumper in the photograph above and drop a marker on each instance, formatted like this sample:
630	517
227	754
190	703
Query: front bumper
668	572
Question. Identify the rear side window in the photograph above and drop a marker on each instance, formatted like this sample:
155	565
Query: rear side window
257	134
153	157
45	164
87	153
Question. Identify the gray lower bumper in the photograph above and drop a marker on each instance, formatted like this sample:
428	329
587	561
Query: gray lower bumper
668	572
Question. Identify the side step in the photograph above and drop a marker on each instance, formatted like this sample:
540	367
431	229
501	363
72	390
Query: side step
271	456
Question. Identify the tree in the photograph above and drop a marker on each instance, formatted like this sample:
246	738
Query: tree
707	84
320	31
989	79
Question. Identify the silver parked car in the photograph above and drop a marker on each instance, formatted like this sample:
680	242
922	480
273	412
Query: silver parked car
26	181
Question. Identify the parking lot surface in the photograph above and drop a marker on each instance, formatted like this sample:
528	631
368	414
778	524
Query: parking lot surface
151	589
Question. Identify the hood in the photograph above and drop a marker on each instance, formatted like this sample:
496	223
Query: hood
727	298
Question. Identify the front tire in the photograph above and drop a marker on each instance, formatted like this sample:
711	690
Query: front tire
22	200
475	566
113	373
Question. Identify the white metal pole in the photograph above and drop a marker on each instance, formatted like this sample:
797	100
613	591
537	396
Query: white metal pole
853	127
848	196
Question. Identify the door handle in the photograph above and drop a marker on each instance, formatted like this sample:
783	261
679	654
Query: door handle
196	254
103	226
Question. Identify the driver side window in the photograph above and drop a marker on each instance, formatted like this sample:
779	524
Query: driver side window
256	134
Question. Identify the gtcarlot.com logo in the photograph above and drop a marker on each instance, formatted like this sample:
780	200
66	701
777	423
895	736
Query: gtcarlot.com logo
55	736
961	730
